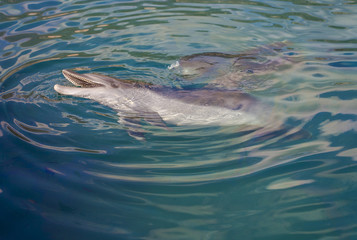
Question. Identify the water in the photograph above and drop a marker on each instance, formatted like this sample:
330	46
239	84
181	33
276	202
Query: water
69	170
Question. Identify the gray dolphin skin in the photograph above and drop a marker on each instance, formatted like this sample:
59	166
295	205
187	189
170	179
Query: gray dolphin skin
135	101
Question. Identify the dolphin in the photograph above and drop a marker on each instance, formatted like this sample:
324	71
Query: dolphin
158	105
242	70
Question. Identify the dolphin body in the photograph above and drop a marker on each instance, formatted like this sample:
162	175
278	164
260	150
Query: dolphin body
158	105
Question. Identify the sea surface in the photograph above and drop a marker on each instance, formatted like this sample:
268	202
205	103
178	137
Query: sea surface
70	170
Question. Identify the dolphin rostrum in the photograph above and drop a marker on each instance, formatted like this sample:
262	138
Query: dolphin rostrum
159	105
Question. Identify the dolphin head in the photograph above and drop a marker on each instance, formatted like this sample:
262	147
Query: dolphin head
203	67
194	66
88	83
113	92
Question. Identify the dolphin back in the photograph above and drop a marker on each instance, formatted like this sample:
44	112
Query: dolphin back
230	99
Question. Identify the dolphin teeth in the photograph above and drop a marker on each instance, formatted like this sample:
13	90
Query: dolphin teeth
79	80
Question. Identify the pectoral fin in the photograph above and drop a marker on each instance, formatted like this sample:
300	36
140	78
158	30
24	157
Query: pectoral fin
151	117
154	119
133	125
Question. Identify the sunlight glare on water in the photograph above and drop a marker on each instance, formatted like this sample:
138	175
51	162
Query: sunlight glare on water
70	169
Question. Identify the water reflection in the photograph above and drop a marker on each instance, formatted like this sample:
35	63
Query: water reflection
68	166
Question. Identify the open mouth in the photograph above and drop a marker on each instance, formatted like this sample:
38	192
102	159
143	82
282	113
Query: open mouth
79	80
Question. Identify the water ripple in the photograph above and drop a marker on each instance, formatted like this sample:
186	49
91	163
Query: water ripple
68	165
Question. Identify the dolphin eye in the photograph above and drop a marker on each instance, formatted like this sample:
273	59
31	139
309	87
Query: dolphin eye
238	107
113	85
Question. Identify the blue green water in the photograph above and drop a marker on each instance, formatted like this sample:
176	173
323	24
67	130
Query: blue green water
69	170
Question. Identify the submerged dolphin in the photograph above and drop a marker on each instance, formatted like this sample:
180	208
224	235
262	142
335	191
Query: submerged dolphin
159	105
244	70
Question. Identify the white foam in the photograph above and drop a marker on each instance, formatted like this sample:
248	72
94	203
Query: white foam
174	65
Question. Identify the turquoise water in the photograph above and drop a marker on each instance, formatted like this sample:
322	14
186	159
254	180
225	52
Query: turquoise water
69	170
